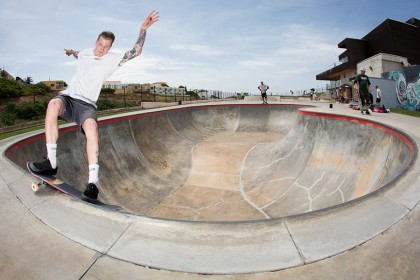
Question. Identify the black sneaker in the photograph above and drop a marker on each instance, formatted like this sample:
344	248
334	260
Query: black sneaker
43	168
91	193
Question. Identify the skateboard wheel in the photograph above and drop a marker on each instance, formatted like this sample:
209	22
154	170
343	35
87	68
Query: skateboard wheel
35	186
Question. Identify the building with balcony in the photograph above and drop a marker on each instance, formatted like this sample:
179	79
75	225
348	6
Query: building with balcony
391	46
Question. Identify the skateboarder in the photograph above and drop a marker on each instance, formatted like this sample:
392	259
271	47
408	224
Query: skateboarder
263	88
363	87
77	103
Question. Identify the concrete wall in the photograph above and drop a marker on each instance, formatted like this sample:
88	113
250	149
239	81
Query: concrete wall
388	91
381	63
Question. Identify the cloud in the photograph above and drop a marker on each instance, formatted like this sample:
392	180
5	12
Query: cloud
225	45
202	50
112	20
257	63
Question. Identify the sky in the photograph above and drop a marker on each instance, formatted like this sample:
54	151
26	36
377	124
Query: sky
226	45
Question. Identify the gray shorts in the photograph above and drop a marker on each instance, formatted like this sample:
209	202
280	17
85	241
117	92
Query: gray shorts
76	110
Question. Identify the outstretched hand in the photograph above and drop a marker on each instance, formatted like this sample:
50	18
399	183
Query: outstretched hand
150	19
68	51
72	52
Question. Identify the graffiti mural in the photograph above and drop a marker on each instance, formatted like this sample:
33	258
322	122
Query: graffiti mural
407	86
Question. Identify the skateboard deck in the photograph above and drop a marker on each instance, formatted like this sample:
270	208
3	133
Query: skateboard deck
63	187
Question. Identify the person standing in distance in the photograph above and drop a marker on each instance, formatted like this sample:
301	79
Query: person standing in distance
378	96
263	89
77	103
363	87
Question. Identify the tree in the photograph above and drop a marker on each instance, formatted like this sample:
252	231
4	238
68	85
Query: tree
3	73
10	88
28	80
41	88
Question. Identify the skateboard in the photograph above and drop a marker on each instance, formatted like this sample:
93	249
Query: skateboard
63	187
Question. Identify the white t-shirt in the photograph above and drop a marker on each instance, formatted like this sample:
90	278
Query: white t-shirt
92	72
378	93
263	88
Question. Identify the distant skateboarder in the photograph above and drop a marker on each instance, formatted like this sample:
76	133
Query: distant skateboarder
363	87
263	89
77	103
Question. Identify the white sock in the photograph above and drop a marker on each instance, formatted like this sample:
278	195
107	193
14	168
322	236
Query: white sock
52	154
94	174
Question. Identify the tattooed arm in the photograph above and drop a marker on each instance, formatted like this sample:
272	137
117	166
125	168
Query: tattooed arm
72	52
138	47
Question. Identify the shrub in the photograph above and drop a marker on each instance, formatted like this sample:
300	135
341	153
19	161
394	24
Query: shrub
9	88
12	113
7	118
31	111
106	105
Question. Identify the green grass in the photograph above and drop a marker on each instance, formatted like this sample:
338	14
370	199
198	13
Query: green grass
18	132
405	112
